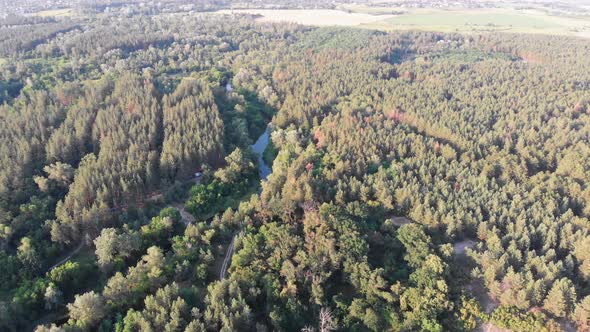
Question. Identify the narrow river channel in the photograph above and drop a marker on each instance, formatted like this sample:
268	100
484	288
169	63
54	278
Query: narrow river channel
259	148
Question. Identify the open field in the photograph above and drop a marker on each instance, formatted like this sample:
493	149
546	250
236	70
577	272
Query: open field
318	17
460	20
55	13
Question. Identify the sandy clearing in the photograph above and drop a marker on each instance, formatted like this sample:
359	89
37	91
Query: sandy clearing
459	247
187	218
489	327
400	221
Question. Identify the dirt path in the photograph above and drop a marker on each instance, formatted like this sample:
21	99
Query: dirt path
52	317
227	259
68	256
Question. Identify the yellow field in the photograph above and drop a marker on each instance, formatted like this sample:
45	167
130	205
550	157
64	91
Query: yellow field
55	13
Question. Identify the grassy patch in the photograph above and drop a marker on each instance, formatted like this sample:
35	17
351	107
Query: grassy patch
257	113
461	19
232	201
472	56
269	154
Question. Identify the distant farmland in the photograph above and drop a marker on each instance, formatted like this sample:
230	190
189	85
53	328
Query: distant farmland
465	21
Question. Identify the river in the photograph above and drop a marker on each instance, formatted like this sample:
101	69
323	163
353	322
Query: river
259	148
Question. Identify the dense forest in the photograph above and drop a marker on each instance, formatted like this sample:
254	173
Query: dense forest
420	181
